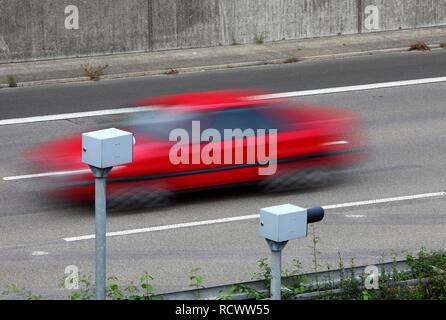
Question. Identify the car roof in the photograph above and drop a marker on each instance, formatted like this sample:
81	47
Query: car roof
209	100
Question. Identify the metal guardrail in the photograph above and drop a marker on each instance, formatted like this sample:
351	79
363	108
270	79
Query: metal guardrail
312	281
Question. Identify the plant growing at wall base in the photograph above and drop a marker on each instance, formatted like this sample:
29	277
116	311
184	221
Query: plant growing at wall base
171	71
16	291
234	289
86	290
419	46
12	81
196	279
94	73
264	272
291	60
296	280
142	291
425	279
259	39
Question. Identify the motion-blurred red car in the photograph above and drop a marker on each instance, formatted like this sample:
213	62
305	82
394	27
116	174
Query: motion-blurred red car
312	142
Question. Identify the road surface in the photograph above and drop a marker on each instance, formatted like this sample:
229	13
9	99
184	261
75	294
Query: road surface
395	201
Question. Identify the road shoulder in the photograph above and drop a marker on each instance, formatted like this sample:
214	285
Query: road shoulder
201	59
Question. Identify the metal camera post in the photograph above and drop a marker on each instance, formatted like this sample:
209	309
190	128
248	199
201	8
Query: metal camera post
100	229
102	150
280	224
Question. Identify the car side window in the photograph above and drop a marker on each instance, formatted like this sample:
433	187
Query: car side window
160	124
243	119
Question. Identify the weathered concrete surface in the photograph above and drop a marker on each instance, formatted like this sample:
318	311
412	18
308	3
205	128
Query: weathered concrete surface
408	14
198	23
34	29
31	29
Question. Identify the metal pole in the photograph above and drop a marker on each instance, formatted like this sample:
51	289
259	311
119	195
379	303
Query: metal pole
100	230
276	268
276	274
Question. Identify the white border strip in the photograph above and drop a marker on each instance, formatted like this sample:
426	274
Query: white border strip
385	200
254	216
353	88
261	97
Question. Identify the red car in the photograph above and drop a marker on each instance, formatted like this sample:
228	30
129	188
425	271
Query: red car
185	143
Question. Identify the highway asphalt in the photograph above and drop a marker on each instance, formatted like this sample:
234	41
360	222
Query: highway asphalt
406	130
305	75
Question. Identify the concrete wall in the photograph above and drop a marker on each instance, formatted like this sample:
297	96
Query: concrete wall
32	29
35	29
196	23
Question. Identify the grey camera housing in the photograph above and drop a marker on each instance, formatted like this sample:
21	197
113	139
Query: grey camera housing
107	148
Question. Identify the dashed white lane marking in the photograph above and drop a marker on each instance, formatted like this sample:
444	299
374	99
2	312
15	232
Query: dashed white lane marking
355	216
168	227
254	216
39	253
304	93
46	174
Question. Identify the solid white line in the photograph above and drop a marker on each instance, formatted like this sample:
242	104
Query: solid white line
251	217
76	115
385	200
353	88
263	97
46	174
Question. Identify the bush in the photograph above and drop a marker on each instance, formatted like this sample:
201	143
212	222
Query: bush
426	280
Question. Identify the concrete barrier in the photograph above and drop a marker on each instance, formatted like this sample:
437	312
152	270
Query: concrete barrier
46	29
